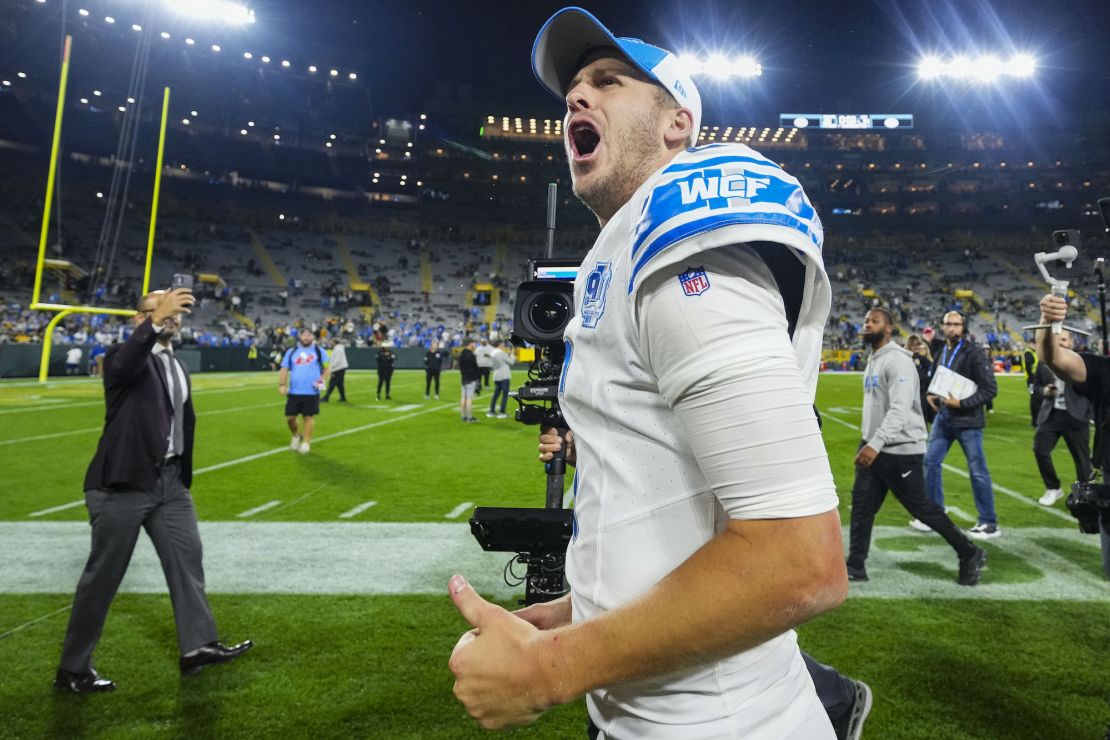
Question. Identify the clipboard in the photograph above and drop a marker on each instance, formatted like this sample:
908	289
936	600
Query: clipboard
946	381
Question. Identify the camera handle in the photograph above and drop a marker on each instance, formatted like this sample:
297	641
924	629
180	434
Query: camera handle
556	467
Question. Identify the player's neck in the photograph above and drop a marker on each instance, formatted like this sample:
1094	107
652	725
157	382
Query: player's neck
879	343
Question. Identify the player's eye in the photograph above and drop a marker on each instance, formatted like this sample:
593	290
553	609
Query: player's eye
606	81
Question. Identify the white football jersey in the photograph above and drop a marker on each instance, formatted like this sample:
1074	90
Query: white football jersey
643	504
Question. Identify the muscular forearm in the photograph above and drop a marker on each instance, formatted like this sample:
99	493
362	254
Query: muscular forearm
1064	362
748	584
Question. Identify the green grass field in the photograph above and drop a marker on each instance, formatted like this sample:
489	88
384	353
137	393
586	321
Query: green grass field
347	601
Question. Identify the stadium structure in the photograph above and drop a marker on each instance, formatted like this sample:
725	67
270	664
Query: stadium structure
299	198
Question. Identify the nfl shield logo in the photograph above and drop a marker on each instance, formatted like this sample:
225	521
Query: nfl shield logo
694	281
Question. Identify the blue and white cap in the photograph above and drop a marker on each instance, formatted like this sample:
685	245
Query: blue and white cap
573	31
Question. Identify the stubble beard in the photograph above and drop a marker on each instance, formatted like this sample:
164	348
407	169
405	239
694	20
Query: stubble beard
630	166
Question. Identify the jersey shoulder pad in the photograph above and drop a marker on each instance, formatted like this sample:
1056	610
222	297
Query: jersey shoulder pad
715	187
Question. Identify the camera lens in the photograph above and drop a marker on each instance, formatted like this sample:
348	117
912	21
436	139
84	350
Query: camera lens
549	313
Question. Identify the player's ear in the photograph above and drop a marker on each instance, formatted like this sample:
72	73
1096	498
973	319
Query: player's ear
680	127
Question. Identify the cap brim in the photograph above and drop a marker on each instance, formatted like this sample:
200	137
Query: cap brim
562	41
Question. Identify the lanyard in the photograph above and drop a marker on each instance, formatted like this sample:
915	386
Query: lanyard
945	359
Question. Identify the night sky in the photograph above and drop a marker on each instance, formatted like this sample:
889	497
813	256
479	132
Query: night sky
825	56
819	56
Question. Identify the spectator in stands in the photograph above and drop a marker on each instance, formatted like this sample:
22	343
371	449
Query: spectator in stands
485	365
73	360
470	378
1063	413
962	421
433	365
338	366
385	361
502	374
304	370
923	363
891	451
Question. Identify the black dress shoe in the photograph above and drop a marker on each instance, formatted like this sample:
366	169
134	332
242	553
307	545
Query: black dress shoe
210	654
82	683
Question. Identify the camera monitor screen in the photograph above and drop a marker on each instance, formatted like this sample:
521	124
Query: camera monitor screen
555	269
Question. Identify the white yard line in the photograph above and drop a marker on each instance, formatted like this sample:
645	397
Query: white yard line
54	405
964	474
455	512
961	514
258	509
53	509
357	510
25	625
406	407
317	440
89	430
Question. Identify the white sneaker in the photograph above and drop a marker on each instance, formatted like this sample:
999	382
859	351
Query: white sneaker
303	449
295	442
983	531
490	414
1051	496
502	416
920	526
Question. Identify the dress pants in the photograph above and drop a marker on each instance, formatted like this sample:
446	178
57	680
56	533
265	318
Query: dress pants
904	476
429	376
385	377
166	512
1076	436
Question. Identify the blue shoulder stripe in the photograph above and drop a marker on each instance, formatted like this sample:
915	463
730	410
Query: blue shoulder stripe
715	161
679	233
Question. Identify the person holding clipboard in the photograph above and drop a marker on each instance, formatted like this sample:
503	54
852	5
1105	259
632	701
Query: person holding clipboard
962	384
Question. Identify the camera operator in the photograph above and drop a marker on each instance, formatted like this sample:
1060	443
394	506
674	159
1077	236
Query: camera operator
1090	375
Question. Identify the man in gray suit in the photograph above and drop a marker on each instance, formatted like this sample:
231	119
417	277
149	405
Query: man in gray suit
139	479
1063	413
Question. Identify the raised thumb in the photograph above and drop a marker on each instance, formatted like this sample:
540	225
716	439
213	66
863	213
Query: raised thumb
471	606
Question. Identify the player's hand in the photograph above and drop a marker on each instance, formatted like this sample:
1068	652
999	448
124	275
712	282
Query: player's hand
283	390
952	402
866	456
933	402
1050	391
548	615
550	443
1053	308
171	303
497	672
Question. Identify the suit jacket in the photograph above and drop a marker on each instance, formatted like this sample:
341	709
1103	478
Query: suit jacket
1079	408
138	413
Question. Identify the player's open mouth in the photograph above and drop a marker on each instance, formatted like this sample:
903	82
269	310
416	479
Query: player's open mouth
584	140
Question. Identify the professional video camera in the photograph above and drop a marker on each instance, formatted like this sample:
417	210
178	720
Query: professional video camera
1086	502
539	537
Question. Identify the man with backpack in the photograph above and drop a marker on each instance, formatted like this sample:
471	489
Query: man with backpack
304	371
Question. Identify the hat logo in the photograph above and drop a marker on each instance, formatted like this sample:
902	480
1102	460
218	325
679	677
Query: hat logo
678	86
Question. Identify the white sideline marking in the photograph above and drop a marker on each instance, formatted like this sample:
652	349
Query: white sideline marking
285	448
357	510
398	558
964	474
406	407
454	513
25	625
52	509
259	509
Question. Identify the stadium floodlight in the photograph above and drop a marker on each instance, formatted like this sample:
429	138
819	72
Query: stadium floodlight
248	55
185	121
930	67
265	60
84	101
131	101
136	27
6	83
352	76
746	67
109	19
331	136
243	131
164	35
285	63
250	123
960	68
1021	65
122	109
312	68
691	64
96	93
83	13
21	75
718	66
987	69
334	73
213	10
215	47
189	42
193	113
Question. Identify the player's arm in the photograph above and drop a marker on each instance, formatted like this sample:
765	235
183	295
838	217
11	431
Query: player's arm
127	361
283	376
1064	362
733	380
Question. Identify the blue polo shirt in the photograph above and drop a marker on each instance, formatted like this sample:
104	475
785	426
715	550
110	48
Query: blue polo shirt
304	369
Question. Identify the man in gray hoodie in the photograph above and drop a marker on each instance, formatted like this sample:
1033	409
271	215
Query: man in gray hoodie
892	450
